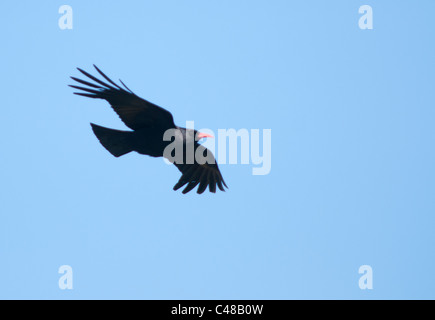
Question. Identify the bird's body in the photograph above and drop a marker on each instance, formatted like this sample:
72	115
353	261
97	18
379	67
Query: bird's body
149	142
149	123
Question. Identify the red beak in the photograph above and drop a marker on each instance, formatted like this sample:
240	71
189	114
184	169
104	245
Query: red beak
202	135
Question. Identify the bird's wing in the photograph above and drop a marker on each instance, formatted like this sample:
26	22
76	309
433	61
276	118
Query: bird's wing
134	111
204	175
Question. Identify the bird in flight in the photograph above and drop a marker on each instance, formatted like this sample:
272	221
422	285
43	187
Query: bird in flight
149	123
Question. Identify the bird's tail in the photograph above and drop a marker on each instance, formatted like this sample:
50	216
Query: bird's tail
117	142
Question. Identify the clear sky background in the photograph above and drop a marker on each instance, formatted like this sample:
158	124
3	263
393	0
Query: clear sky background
353	136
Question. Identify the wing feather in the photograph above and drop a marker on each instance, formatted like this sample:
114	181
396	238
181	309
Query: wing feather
206	175
134	111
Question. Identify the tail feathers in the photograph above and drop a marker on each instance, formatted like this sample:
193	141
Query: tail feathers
117	142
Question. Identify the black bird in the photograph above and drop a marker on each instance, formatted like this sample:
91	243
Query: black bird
149	123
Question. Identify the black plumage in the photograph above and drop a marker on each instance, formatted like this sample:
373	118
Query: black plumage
149	122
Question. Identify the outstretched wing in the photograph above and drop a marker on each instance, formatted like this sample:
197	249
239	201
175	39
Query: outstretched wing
204	175
134	111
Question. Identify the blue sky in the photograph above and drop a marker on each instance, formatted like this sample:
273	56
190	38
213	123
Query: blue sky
352	180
